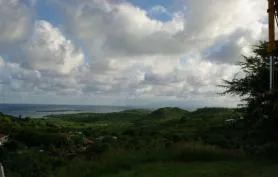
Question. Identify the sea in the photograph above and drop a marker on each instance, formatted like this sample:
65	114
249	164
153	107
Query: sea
41	110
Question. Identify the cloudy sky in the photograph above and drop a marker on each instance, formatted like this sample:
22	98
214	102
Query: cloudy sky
125	52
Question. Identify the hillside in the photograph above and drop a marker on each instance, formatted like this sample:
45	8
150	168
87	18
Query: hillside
164	142
167	113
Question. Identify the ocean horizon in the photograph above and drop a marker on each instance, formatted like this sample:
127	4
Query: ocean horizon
41	110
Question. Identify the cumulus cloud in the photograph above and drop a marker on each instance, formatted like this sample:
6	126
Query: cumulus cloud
2	63
214	18
238	23
122	30
14	20
14	78
109	50
48	49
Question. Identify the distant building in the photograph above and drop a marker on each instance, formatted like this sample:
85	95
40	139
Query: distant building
3	139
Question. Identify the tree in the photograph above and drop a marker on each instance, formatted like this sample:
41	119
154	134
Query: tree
260	106
252	85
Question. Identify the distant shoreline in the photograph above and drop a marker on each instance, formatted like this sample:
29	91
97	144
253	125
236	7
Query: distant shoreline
39	111
62	110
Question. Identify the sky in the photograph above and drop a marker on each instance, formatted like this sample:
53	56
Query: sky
125	52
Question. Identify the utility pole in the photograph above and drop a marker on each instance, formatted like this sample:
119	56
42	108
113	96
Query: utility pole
272	52
271	44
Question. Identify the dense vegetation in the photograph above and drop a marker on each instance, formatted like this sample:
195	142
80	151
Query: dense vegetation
165	142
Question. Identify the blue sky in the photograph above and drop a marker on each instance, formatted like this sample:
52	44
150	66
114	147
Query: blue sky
148	4
46	10
49	12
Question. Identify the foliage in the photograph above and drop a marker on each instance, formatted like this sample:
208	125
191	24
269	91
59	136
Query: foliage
76	145
252	84
253	81
260	109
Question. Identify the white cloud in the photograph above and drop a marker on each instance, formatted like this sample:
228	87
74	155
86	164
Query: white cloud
209	21
122	30
14	20
48	49
131	56
214	18
2	63
158	9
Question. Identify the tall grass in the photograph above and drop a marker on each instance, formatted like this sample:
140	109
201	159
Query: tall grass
196	151
119	159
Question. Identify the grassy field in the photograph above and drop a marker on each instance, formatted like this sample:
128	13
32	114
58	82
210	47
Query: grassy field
201	169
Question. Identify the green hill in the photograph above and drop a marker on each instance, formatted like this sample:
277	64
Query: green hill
163	115
126	115
168	113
